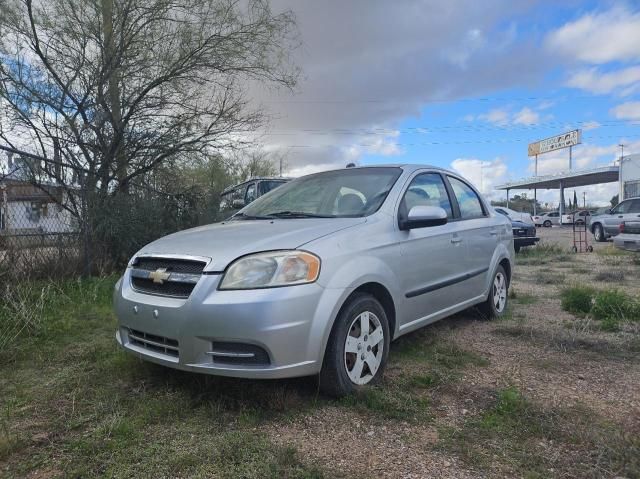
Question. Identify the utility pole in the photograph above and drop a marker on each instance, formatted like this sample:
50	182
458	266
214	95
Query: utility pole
621	152
584	199
535	191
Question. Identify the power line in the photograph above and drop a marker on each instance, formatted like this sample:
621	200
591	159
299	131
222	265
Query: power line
444	128
435	100
466	142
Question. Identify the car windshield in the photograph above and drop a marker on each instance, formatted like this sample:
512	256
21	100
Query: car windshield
345	193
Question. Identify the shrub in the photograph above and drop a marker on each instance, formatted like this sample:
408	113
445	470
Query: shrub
577	299
612	307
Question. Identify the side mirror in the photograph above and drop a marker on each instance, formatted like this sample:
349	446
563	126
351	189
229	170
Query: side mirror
424	216
237	204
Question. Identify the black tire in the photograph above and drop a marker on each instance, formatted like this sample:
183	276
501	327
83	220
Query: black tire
547	224
488	309
574	249
334	375
598	233
590	249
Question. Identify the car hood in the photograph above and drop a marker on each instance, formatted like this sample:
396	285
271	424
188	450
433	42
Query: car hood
224	242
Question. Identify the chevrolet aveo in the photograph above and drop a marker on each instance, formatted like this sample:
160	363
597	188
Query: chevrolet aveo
317	277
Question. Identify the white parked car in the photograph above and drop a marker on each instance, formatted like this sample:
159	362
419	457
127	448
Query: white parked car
514	215
547	219
581	217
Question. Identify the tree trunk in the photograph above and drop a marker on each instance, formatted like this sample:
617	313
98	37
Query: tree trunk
113	93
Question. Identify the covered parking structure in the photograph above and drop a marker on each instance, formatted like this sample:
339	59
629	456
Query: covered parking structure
560	181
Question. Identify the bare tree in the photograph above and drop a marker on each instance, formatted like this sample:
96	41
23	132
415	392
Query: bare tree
116	87
102	92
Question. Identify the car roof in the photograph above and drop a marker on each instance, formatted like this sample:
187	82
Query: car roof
257	178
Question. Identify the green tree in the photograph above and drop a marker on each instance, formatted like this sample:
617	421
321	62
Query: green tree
614	200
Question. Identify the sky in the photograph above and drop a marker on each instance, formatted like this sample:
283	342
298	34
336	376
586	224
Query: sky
460	84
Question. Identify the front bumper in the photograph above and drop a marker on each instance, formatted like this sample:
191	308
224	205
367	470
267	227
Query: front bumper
287	323
521	241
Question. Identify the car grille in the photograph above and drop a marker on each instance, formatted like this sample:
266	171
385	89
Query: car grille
152	342
173	277
524	232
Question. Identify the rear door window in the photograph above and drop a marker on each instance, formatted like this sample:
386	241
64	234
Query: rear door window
468	201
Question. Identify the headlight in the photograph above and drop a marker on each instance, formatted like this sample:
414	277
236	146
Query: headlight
268	270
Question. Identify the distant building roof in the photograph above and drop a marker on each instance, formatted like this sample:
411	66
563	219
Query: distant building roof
570	179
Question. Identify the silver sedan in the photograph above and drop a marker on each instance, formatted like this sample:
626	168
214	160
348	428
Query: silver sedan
317	277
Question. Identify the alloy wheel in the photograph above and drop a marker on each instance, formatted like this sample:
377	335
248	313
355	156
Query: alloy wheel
363	348
499	292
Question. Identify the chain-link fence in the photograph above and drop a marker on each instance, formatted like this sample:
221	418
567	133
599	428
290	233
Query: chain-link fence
50	231
37	234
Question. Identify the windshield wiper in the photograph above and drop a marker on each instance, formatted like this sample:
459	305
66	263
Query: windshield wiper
242	216
297	214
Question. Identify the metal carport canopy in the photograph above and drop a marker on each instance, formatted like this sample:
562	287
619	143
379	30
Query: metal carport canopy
570	179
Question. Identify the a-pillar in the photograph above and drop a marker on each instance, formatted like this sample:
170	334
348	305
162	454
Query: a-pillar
507	197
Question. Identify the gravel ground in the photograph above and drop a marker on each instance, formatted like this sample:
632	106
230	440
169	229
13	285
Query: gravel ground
554	359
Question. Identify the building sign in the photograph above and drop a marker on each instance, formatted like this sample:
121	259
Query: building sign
565	140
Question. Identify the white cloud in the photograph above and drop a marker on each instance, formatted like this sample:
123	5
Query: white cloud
622	82
473	41
361	74
526	116
485	175
627	111
504	116
590	125
599	37
498	116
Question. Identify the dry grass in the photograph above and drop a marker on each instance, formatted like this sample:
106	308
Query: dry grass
541	393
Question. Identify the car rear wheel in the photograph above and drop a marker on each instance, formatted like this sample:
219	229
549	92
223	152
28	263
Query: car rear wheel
547	224
358	347
598	233
496	303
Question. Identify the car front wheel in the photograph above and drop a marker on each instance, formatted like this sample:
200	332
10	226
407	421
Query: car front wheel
547	224
598	233
358	347
496	303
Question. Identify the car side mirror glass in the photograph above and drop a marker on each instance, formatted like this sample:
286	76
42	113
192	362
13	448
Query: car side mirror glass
237	203
423	217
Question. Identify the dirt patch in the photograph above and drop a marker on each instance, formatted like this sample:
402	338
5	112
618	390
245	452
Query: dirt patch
366	447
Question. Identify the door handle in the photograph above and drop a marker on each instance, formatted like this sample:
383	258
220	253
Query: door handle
493	232
620	216
456	239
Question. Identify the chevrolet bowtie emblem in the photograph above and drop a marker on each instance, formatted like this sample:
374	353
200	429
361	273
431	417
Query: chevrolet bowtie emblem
159	276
